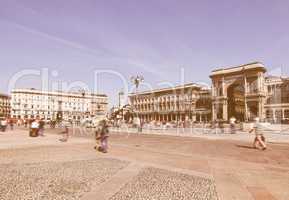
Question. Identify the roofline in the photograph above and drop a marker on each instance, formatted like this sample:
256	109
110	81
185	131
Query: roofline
235	67
178	87
5	95
31	91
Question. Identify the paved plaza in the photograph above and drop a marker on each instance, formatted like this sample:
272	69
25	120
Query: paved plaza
142	166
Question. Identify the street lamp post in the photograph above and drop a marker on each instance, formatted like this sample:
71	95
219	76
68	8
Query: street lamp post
121	93
83	102
136	80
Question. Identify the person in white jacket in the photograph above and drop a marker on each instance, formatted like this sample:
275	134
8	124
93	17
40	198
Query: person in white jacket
259	137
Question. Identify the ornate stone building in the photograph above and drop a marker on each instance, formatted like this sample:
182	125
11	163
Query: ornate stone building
5	105
189	101
277	102
243	92
31	103
239	92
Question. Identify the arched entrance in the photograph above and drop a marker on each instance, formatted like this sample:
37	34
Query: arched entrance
236	101
238	92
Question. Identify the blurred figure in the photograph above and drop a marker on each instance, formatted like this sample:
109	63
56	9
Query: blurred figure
41	127
65	133
102	135
34	128
11	124
259	137
25	123
222	126
97	138
18	122
233	125
3	124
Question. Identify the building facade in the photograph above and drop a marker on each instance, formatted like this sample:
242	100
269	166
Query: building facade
277	101
5	106
243	92
187	102
239	92
31	103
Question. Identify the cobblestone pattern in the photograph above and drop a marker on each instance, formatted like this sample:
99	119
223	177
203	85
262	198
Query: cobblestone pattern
54	181
158	184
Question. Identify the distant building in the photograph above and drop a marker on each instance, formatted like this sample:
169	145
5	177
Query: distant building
243	92
277	102
5	108
239	92
31	103
180	103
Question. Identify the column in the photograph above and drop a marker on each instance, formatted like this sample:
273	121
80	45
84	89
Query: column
213	88
213	112
245	97
225	103
225	110
223	87
274	115
259	82
283	113
261	109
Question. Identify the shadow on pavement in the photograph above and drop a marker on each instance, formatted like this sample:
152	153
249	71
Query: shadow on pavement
245	146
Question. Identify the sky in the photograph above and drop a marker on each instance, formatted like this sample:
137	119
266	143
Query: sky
102	43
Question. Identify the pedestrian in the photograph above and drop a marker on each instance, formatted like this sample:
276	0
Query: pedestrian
11	123
3	124
222	126
34	128
97	138
25	123
103	136
41	127
259	137
65	133
18	122
233	125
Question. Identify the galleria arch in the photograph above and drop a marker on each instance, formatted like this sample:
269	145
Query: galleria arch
239	92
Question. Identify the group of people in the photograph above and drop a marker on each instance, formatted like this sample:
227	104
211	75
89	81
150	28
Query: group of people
5	122
37	128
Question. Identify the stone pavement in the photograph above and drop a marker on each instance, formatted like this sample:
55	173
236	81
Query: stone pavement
8	139
272	136
238	171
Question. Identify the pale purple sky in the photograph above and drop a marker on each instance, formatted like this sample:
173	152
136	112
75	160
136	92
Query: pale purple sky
152	37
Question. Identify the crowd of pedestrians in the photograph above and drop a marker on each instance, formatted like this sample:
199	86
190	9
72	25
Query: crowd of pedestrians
36	128
232	126
6	123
